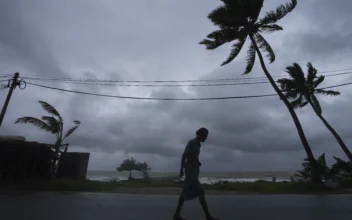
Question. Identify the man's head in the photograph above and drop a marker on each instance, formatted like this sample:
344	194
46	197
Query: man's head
202	134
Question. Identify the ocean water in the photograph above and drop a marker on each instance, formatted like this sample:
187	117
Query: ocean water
205	177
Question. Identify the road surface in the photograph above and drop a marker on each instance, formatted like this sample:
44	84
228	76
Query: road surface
99	206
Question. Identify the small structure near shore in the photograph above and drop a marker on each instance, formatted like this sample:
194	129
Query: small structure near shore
21	160
73	165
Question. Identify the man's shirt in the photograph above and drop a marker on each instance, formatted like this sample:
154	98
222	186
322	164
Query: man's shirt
192	151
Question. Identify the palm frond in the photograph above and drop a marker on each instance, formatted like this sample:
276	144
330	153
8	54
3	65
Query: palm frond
219	37
226	16
53	123
316	104
292	94
251	53
302	174
312	73
36	122
321	159
236	49
318	81
296	72
71	130
226	35
327	92
338	160
280	12
270	28
303	104
265	47
50	109
253	8
297	103
343	167
212	44
286	84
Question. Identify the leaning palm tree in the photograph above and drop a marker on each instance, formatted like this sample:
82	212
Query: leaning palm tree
238	21
303	90
53	124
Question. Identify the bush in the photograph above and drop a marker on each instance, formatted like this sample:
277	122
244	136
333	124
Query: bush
347	183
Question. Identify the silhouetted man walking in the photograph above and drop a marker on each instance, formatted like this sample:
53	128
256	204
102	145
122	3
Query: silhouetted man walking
190	163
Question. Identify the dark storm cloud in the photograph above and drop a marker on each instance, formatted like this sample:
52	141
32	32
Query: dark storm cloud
329	31
159	41
24	48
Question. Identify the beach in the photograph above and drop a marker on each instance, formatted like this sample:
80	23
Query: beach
205	177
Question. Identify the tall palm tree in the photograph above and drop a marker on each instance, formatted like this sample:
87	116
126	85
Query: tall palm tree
53	124
303	90
238	21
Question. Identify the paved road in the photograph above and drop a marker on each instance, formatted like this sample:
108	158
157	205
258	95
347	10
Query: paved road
89	206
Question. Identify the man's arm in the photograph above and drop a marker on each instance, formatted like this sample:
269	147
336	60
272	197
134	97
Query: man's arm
183	160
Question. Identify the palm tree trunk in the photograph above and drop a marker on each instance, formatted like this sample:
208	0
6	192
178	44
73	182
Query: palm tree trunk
337	137
315	174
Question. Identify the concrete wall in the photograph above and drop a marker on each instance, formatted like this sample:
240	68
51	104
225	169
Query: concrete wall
73	165
25	159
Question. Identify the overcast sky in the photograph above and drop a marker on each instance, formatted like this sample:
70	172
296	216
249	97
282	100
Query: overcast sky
158	40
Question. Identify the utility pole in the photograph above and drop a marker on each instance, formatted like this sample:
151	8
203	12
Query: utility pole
12	87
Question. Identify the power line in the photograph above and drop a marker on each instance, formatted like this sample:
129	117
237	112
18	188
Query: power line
6	80
331	71
169	99
133	81
344	84
41	78
154	85
156	99
165	85
5	75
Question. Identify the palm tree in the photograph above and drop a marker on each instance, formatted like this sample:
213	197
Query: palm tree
53	124
342	168
324	170
303	90
238	21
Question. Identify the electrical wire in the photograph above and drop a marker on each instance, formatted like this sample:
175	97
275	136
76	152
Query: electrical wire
154	85
165	85
29	76
170	99
344	84
6	80
156	99
5	75
96	81
134	81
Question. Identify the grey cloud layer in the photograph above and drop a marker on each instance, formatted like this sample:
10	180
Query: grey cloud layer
151	42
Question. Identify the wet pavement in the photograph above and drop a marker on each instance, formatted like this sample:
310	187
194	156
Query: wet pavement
100	206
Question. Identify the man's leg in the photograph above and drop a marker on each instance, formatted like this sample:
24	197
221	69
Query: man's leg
204	205
181	201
